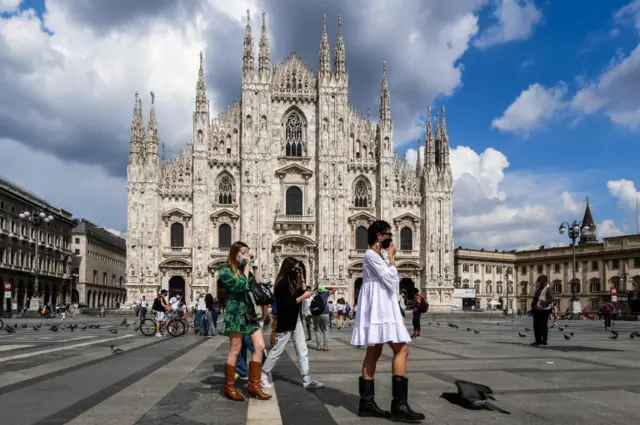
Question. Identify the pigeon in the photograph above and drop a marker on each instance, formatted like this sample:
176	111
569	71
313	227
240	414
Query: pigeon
24	325
138	328
15	326
476	331
521	335
10	330
571	333
566	325
632	335
84	328
567	337
615	335
35	328
468	329
452	325
527	329
124	322
473	396
116	350
438	323
97	326
638	334
113	331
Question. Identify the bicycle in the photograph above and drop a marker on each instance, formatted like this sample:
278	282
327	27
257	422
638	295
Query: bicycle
173	324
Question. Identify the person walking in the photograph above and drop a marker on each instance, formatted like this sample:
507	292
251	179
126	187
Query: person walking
290	298
541	309
236	277
380	322
321	317
417	313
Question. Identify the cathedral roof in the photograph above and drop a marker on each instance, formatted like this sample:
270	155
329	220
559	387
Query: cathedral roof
293	76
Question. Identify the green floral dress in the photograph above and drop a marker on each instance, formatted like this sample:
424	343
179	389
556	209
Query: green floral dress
237	286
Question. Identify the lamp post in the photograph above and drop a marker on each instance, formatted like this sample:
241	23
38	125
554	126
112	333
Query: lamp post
36	220
506	280
573	231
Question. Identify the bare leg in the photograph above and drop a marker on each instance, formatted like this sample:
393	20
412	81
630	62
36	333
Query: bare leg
400	355
258	344
370	361
235	343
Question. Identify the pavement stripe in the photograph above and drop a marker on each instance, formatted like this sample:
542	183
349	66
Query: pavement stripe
28	374
148	391
56	349
14	347
264	412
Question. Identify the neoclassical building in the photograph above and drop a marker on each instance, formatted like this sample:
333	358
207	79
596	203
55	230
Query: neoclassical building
509	277
292	169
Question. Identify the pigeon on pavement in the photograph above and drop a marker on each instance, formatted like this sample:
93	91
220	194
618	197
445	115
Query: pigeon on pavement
567	337
521	335
113	330
116	350
473	396
615	335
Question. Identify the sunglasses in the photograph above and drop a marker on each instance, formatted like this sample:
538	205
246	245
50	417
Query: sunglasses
388	235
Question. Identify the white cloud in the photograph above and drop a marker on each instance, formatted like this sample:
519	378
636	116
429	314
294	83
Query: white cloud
625	191
8	6
629	12
516	21
115	232
531	109
616	92
494	208
608	229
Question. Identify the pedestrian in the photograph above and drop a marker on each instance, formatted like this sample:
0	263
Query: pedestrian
290	298
380	322
541	309
236	277
210	316
332	310
606	310
320	310
417	313
144	306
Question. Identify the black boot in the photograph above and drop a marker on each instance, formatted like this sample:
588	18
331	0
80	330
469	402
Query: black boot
368	407
400	410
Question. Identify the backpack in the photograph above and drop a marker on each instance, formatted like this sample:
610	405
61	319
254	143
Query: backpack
317	305
424	305
607	308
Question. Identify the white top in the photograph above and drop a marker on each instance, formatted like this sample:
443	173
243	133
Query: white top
379	319
202	305
144	303
172	301
341	308
175	305
307	306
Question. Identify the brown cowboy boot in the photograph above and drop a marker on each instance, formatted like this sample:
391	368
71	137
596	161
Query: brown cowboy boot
255	373
230	385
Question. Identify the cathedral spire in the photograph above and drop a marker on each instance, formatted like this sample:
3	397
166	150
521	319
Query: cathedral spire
340	65
418	162
445	138
247	58
137	131
263	59
588	227
429	152
201	89
385	100
325	64
152	130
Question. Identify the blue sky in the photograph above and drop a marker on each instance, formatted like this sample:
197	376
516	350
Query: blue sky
540	95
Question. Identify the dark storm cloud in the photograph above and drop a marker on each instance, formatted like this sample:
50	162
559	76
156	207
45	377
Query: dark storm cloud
105	15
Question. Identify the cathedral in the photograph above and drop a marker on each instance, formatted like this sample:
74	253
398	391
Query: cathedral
291	169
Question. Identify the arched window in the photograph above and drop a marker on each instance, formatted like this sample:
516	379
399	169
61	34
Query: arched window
362	194
489	289
177	235
294	201
361	238
595	286
226	187
557	287
224	236
406	239
293	133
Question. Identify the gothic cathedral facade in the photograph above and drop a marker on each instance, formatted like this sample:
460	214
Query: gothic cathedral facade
292	169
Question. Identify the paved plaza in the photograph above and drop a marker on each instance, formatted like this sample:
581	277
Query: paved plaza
72	377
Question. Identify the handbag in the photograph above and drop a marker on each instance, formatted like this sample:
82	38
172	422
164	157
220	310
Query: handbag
262	294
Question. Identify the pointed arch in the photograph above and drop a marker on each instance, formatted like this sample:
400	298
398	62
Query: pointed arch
294	125
225	189
362	192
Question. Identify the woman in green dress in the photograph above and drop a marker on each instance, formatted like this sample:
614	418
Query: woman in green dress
240	318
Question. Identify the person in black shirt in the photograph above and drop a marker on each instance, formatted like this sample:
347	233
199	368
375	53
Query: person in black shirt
289	298
161	307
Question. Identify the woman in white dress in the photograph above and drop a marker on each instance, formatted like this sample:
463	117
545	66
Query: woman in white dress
380	322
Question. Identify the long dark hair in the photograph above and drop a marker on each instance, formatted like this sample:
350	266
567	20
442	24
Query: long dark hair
286	273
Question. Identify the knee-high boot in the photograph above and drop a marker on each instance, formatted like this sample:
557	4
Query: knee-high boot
230	385
400	409
367	408
255	373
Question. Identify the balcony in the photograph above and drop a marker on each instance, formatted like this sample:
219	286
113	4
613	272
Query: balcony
219	252
304	223
413	254
175	251
356	253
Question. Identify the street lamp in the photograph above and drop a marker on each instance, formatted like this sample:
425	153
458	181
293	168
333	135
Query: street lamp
573	231
36	221
506	279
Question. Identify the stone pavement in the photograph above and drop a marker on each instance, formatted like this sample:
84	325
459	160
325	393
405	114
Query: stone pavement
54	378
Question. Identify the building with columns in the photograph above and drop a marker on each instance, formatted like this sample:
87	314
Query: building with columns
99	265
509	277
29	247
292	169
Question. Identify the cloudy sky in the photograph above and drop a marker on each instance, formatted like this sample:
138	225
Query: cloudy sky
542	97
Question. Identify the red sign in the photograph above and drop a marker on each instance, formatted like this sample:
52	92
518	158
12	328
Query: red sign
614	291
7	286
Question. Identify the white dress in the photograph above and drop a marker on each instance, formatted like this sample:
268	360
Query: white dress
379	320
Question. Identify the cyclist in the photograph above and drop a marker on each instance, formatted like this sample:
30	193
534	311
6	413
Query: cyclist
161	307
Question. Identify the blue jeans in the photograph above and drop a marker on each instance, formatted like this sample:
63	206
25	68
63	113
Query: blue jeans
242	367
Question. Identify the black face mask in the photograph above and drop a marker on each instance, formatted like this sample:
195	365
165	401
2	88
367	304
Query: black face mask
386	243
